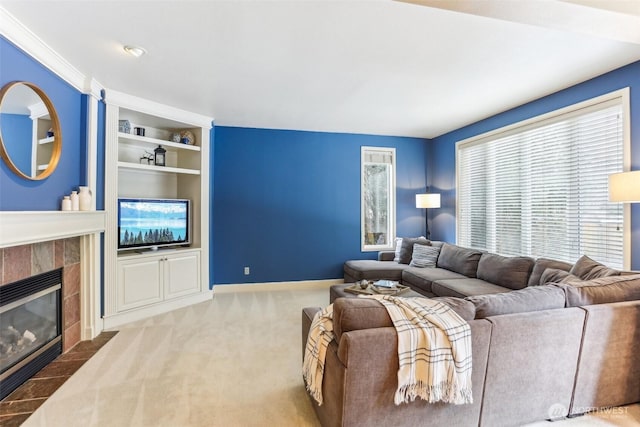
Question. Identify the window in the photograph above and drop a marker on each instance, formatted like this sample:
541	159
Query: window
378	204
540	188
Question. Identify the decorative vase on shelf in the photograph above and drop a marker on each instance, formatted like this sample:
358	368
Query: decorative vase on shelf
75	201
66	203
85	198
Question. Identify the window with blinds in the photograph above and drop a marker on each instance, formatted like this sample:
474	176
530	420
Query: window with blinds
378	198
541	188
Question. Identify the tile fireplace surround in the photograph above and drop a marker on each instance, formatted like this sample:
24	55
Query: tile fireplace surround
35	242
21	262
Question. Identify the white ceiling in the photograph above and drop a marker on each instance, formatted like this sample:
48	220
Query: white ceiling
374	67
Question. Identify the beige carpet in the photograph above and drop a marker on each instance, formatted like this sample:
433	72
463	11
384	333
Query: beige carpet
233	361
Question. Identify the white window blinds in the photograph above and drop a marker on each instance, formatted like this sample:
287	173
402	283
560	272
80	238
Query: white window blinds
542	189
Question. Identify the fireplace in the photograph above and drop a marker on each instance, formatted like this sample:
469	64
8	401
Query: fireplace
40	242
30	327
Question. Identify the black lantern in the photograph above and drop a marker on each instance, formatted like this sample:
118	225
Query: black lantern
159	158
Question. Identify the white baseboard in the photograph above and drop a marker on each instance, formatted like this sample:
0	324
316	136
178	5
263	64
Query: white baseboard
275	286
119	319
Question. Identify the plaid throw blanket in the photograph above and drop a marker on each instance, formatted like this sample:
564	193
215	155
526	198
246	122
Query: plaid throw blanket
320	335
434	350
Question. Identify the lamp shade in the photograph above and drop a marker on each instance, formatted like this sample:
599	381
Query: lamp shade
624	187
428	200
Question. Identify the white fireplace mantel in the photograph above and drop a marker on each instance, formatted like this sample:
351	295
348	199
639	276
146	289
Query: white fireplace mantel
25	227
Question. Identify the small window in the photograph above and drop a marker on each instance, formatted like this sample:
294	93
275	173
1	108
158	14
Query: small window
378	204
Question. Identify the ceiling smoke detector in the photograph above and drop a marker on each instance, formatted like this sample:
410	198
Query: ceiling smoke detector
136	51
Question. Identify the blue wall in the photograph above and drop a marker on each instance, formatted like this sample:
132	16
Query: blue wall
18	128
17	193
442	149
287	203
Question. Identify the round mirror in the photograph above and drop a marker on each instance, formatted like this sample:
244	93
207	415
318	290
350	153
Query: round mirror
30	137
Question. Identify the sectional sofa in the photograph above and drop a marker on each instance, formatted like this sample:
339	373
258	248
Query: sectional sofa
458	271
540	352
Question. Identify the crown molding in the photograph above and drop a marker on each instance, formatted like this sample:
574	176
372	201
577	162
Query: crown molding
120	99
21	36
93	88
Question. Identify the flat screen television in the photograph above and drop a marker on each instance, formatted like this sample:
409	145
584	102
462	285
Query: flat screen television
153	223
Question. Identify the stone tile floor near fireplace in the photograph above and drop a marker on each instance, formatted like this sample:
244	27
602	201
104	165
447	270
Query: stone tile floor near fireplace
20	404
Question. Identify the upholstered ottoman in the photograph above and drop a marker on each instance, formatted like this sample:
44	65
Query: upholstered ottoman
369	269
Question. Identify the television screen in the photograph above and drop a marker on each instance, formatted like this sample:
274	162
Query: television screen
151	223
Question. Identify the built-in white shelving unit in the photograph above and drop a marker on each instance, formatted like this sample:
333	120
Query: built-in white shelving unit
142	284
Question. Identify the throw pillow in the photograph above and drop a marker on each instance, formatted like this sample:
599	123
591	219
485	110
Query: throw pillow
587	269
555	275
396	258
541	265
406	250
424	256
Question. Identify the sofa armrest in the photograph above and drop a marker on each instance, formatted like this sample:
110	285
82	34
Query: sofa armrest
351	314
386	255
307	317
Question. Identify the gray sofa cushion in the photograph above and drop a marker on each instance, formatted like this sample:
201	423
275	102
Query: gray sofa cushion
602	290
424	256
529	299
464	308
462	288
421	278
373	270
541	265
510	272
406	250
460	260
587	269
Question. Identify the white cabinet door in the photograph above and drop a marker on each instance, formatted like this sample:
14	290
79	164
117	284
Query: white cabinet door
139	282
182	274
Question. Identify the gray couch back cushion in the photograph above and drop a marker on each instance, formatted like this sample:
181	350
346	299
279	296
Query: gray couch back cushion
541	265
587	269
510	272
529	299
602	290
460	260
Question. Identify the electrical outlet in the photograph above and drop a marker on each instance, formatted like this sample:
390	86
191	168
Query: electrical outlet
247	271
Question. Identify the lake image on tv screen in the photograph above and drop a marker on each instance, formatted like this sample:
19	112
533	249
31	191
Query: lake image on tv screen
149	223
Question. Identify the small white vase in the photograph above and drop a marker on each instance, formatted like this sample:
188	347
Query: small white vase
85	198
66	203
75	201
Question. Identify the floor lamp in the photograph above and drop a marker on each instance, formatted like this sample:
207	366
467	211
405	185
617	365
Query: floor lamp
426	201
624	187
